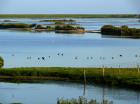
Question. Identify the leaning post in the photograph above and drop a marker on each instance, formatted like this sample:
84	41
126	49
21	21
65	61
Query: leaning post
138	68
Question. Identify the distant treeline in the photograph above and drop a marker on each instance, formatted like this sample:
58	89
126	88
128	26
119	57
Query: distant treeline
69	16
120	31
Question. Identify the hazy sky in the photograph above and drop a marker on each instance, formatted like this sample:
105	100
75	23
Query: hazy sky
69	6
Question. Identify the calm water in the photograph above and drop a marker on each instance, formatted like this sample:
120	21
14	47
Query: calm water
49	92
26	49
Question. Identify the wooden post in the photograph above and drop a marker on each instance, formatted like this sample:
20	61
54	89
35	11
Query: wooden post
103	71
119	69
138	68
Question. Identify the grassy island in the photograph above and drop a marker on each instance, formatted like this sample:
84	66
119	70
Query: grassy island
124	31
124	77
69	29
15	25
58	27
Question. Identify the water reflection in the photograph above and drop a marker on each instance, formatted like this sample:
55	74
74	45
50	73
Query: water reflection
49	92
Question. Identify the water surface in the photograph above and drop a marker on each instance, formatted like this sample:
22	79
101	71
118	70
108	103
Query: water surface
26	49
49	92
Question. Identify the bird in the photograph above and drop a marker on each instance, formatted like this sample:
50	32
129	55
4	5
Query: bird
121	55
87	58
76	57
91	57
43	58
13	55
29	57
136	56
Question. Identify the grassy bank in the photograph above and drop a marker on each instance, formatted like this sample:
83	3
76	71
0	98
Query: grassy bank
109	76
69	16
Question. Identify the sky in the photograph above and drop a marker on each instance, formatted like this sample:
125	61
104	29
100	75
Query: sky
69	6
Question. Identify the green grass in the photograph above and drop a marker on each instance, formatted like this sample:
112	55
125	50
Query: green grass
112	76
68	16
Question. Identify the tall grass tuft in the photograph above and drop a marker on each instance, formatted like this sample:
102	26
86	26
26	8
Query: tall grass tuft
81	100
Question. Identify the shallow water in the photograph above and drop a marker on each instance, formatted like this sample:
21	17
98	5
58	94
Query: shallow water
49	92
26	49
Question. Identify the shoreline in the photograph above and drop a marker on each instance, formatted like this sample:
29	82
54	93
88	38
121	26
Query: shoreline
113	77
69	16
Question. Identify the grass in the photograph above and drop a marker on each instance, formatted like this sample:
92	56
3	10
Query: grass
125	77
81	100
69	16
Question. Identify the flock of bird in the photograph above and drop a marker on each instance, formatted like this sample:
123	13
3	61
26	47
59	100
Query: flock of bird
76	57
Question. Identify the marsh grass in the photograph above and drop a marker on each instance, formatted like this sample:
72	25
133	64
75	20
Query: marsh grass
127	77
81	100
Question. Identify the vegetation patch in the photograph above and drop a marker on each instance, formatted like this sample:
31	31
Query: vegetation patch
58	27
82	100
124	77
120	31
1	62
69	29
15	25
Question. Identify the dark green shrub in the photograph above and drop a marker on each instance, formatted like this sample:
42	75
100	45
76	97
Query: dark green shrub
120	31
110	30
1	62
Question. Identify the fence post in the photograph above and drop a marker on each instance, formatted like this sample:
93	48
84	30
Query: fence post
103	71
138	68
119	69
